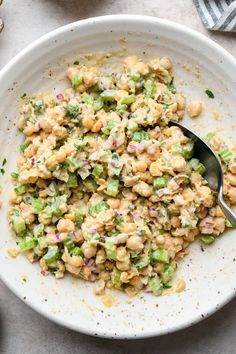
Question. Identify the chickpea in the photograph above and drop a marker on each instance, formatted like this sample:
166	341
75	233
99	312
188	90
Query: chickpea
166	63
97	126
122	265
181	102
101	256
21	122
194	109
180	286
15	199
136	282
135	243
232	179
88	122
121	254
113	203
60	156
65	225
88	249
232	166
178	163
76	261
139	166
154	169
127	227
160	240
143	189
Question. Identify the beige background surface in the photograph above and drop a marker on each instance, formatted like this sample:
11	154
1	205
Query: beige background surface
21	329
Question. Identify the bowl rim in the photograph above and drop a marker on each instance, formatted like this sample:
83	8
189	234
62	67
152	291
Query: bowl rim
109	19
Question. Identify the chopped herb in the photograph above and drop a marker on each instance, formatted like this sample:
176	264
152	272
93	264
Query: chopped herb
210	94
171	86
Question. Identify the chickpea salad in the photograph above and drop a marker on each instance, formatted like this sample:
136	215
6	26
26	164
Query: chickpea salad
105	189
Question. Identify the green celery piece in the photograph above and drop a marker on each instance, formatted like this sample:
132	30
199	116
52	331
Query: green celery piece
118	164
98	103
38	230
98	208
97	170
171	86
127	100
155	285
52	254
112	187
76	251
108	95
142	262
209	136
139	136
73	110
86	98
107	129
18	224
115	277
69	244
38	205
197	166
121	109
150	89
207	239
177	149
160	255
225	155
159	182
72	181
42	243
72	164
82	210
77	80
188	150
228	223
134	75
134	255
167	273
90	184
110	248
27	245
19	190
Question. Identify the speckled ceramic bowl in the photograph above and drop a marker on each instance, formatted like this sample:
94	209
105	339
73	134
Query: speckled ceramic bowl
210	273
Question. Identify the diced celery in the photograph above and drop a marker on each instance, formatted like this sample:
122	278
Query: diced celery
207	239
97	170
197	166
90	184
228	223
209	136
115	277
72	110
134	75
107	129
98	103
38	230
120	109
69	244
159	182
72	181
72	164
98	208
127	99
51	255
177	149
155	285
112	187
110	248
76	251
77	80
167	273
139	136
18	224
42	243
86	98
142	262
188	150
27	245
116	164
160	255
23	147
38	205
225	155
19	190
108	95
150	89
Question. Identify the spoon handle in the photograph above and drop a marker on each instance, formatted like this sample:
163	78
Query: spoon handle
230	215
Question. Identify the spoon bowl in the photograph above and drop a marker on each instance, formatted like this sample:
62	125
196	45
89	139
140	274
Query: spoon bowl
214	172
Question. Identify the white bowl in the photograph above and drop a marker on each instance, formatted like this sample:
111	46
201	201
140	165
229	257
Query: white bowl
211	275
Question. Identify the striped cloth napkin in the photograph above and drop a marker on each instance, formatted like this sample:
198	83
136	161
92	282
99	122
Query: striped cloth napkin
217	15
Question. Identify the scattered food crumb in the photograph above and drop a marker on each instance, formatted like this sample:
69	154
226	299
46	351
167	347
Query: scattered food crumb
216	115
108	300
13	252
180	286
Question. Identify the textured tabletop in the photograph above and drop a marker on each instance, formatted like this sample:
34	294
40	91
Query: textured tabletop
21	329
